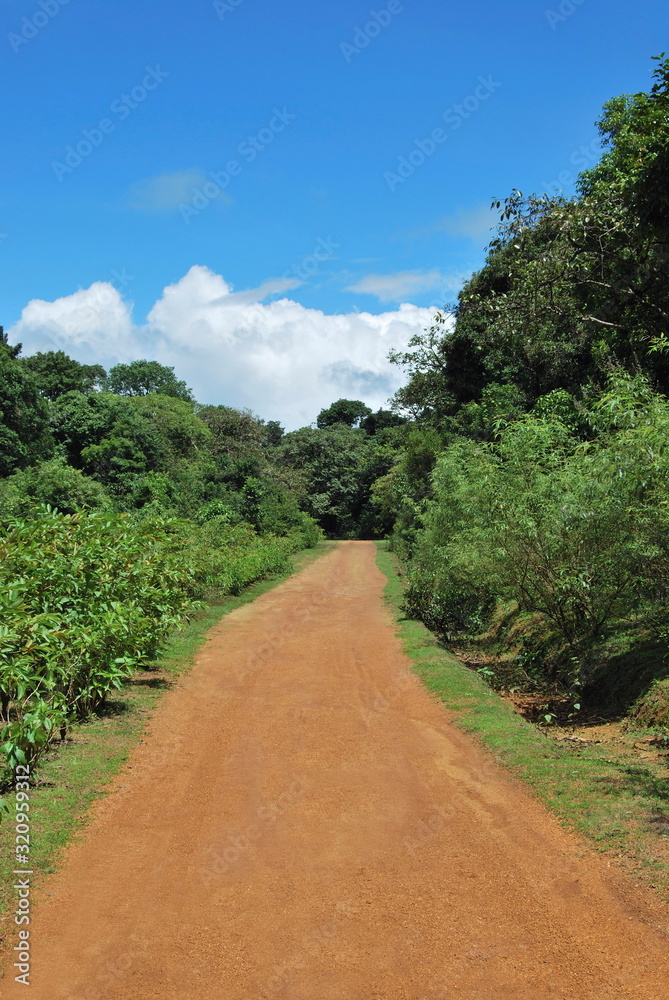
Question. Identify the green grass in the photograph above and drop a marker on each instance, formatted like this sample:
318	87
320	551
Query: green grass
620	805
75	773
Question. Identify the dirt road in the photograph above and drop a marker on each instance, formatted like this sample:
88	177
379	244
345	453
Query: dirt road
302	823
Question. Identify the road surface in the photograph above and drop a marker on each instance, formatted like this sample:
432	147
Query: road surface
302	822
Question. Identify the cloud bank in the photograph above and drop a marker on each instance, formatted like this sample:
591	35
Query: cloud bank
278	358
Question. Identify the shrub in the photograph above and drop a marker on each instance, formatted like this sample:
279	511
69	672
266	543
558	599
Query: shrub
572	531
52	483
85	598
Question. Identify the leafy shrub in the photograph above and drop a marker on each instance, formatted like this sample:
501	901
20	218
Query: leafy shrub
226	557
572	531
217	509
53	483
85	598
447	607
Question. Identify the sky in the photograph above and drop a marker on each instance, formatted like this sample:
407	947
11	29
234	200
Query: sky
269	197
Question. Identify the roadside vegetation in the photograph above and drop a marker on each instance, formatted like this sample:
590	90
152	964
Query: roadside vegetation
530	505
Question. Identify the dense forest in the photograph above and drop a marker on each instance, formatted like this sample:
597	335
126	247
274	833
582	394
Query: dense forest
521	473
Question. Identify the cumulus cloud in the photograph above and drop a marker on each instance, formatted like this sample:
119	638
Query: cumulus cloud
279	358
167	192
401	285
95	324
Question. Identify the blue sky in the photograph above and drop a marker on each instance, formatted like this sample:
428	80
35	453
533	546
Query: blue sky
339	218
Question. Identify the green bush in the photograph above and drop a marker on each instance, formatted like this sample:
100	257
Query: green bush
572	531
85	598
52	483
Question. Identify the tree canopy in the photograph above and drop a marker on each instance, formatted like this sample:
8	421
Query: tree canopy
55	374
344	411
139	378
24	419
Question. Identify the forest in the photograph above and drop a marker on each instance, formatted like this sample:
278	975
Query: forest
521	473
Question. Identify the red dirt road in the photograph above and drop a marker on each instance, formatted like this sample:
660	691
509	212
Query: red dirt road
303	823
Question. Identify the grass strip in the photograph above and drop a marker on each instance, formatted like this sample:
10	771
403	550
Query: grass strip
620	806
76	772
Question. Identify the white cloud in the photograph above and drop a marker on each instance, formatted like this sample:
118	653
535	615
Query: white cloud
280	359
398	287
94	323
168	191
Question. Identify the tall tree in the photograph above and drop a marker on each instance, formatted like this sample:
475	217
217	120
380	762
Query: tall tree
570	287
344	411
14	350
24	420
139	378
55	374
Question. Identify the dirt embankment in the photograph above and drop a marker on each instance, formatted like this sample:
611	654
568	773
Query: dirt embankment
302	823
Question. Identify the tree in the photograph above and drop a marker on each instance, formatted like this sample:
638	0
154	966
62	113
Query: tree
572	532
55	374
571	288
382	419
24	420
435	381
273	434
53	482
331	461
183	434
636	161
12	351
79	420
344	411
236	442
130	447
105	435
139	378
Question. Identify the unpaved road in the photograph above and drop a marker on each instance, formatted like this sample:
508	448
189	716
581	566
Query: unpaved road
302	823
